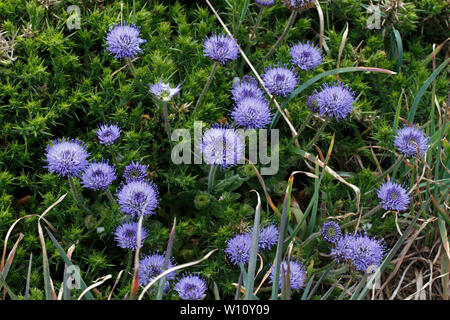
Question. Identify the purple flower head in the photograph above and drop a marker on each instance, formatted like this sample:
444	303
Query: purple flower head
297	274
411	141
135	171
331	231
238	248
268	237
363	252
191	287
138	197
393	196
279	80
247	87
123	41
222	145
265	3
126	235
98	175
306	56
151	266
221	48
163	91
334	100
66	157
299	5
108	133
252	113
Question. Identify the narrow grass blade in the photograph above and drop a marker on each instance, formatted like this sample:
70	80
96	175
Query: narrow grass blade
5	285
253	252
284	215
27	285
397	47
307	288
322	277
10	258
135	281
422	90
96	284
68	262
216	291
159	295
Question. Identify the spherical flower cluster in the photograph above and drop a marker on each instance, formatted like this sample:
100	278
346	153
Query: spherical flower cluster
238	248
126	235
265	3
268	237
135	171
306	56
98	175
252	113
108	133
279	80
334	100
151	266
411	141
138	197
297	274
298	5
221	48
363	252
393	196
331	231
163	91
123	41
191	287
66	157
247	87
222	145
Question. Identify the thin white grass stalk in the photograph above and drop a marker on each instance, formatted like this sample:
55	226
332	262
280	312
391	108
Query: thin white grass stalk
322	23
253	252
181	266
96	284
115	283
66	289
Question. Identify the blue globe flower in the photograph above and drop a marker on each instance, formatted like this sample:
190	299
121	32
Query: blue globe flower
191	287
126	235
123	41
238	248
66	157
334	101
108	133
98	175
279	80
151	266
393	196
306	56
331	231
297	274
138	197
221	48
135	171
411	141
252	113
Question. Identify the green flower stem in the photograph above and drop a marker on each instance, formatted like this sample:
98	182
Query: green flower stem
77	196
130	260
130	65
317	135
283	35
392	168
211	178
303	126
113	155
206	87
166	121
258	21
110	196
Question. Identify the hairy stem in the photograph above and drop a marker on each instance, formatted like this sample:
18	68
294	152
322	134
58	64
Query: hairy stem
206	87
283	35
